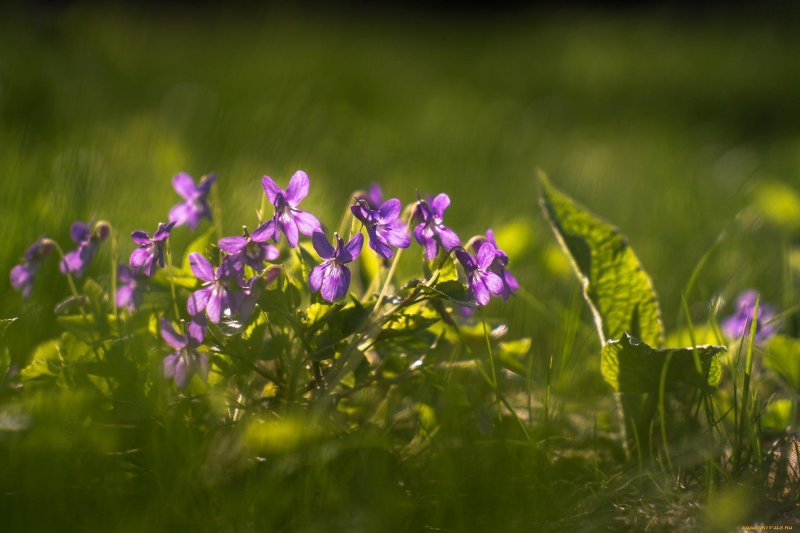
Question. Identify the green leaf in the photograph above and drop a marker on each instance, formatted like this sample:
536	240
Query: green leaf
629	365
452	290
200	245
43	361
783	357
512	354
616	287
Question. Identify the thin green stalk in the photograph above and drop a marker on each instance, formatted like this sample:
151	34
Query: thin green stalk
546	406
172	282
392	269
492	368
216	209
748	370
114	258
662	415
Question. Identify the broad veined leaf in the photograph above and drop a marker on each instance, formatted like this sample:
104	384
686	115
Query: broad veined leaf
617	289
629	365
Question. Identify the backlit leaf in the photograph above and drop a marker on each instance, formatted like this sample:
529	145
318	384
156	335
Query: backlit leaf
617	289
631	366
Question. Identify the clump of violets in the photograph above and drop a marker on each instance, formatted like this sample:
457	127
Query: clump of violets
331	278
431	232
288	218
227	296
248	250
186	361
23	275
213	298
737	326
499	264
482	282
88	240
195	206
129	288
150	253
384	226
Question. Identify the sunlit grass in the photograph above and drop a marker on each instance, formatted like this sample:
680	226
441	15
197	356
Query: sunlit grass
669	128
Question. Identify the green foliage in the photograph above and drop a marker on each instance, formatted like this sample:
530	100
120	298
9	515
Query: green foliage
782	356
616	287
631	366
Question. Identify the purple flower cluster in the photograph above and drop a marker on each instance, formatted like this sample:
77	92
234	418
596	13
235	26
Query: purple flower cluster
737	326
232	289
431	232
88	240
186	360
23	274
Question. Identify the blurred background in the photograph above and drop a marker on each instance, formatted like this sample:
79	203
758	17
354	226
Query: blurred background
667	119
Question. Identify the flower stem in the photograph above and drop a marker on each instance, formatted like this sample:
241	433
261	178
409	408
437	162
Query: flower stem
172	281
392	268
217	211
114	258
71	282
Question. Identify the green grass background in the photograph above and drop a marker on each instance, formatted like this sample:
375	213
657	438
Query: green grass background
663	123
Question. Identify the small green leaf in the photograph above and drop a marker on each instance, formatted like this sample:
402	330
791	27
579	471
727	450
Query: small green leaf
45	357
512	354
200	245
783	357
629	365
452	290
448	271
616	287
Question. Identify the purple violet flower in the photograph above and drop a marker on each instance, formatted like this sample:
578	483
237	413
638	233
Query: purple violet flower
332	278
186	360
737	326
213	297
129	288
287	218
76	261
510	283
150	253
482	282
384	226
243	302
195	204
373	196
431	232
247	250
23	275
